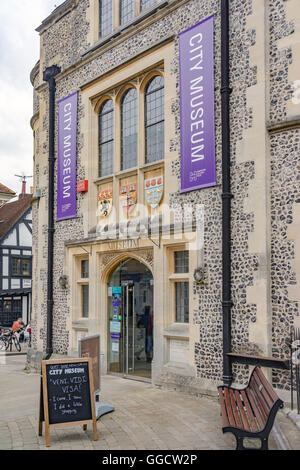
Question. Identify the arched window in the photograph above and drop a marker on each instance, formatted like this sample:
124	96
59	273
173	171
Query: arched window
106	138
126	11
146	3
154	120
105	17
129	127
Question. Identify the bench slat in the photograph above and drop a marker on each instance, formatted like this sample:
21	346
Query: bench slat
260	401
263	392
228	408
242	411
223	408
235	409
267	385
250	414
261	419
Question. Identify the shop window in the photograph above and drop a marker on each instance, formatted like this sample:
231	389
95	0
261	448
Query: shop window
126	10
17	307
6	313
129	128
85	301
147	3
7	306
106	138
154	119
105	17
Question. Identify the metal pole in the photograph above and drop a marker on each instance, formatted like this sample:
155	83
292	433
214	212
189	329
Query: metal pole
133	329
49	76
127	325
292	378
226	194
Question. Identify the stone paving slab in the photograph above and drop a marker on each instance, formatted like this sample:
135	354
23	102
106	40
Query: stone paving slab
145	418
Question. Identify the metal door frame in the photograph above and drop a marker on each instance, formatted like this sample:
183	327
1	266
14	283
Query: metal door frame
125	336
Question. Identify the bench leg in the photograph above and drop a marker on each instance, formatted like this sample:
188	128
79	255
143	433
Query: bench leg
264	443
239	443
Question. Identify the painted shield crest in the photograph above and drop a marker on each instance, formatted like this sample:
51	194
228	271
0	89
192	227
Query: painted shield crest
128	197
105	202
154	190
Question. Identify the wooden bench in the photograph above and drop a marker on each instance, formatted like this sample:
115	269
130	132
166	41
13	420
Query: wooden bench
249	412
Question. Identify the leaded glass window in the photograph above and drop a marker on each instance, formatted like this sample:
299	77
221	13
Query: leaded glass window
154	119
21	267
106	138
126	10
129	129
85	301
85	269
182	302
105	17
181	261
146	3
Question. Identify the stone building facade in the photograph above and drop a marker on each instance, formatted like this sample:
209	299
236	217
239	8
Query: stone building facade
265	111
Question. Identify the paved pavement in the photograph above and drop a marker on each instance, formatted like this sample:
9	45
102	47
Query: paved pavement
144	418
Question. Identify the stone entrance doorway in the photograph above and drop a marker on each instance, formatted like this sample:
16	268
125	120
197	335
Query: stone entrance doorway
130	320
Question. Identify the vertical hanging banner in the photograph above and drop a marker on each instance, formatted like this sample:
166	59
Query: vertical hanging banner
66	157
197	128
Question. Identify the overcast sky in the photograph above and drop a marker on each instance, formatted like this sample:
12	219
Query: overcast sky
19	45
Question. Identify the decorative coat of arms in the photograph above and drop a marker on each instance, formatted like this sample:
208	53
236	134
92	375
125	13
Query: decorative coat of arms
105	202
154	190
128	197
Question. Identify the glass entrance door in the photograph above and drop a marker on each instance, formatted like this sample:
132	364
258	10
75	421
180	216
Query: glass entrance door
130	303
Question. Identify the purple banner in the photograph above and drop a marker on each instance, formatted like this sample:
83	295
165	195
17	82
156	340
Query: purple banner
66	157
197	129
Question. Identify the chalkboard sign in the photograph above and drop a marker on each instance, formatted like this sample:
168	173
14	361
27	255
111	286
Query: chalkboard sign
67	394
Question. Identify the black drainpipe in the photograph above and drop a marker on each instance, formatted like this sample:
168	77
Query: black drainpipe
49	76
226	194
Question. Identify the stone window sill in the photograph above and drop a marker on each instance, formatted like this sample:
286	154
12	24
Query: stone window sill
80	324
152	166
178	330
